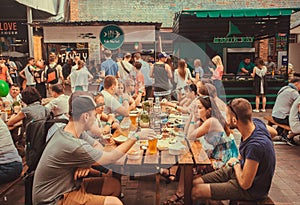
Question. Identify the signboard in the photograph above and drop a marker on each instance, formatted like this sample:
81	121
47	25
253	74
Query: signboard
234	36
243	39
112	37
281	41
12	28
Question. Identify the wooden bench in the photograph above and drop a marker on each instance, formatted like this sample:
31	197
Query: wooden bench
267	201
4	188
271	122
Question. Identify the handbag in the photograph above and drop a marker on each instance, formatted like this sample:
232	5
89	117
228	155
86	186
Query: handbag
220	147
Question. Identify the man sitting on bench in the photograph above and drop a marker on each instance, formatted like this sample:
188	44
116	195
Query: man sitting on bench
294	120
281	110
10	161
250	176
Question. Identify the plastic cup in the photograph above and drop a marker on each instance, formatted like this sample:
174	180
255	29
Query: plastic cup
133	118
152	145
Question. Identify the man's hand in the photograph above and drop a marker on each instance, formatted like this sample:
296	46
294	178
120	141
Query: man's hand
232	161
146	133
81	172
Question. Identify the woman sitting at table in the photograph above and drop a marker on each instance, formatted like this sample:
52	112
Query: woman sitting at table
34	110
191	96
206	123
209	89
133	92
124	93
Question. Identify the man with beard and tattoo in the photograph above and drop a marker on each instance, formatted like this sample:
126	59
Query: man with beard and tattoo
249	176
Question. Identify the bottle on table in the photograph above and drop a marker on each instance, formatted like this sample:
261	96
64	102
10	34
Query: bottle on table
156	116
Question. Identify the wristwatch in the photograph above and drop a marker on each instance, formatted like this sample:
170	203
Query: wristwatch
234	163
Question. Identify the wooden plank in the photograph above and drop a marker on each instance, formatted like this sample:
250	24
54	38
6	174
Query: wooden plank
136	161
151	158
196	148
167	159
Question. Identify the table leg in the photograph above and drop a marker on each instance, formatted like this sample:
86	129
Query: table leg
157	183
188	183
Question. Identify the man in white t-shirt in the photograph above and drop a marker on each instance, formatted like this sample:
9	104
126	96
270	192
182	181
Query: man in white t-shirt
13	95
59	105
112	105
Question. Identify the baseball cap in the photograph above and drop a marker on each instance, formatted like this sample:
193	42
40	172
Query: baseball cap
82	104
162	55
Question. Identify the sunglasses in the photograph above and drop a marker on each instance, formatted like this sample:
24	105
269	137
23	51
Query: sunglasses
100	105
229	104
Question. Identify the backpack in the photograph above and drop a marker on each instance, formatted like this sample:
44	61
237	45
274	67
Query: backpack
35	138
51	75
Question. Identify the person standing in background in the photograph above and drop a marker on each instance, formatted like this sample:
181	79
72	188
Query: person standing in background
218	74
162	74
259	84
108	67
271	66
28	73
199	72
146	72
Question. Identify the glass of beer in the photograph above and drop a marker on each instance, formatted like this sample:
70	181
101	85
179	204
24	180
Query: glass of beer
152	145
133	118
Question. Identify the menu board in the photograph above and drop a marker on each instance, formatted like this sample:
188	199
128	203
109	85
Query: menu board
281	41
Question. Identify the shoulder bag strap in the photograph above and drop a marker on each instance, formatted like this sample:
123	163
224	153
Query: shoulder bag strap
124	67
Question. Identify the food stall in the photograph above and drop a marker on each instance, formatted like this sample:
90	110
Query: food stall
234	34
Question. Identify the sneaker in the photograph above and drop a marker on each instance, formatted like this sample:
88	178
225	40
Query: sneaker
255	110
263	110
289	141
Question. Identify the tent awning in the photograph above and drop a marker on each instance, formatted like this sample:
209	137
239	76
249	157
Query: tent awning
242	12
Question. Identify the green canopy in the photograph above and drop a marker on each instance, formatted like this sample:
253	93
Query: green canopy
242	12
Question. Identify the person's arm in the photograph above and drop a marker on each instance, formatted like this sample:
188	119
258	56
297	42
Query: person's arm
169	71
22	73
197	76
272	131
102	72
244	70
246	175
9	80
253	73
60	74
118	152
20	116
210	125
151	71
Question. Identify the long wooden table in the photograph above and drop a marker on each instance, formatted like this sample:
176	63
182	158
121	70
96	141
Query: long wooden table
148	163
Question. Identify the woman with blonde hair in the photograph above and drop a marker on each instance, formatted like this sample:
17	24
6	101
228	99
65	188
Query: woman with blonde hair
217	73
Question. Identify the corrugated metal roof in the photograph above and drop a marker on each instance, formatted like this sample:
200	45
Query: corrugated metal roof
99	23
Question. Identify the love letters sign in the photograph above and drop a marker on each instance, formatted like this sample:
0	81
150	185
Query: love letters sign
8	28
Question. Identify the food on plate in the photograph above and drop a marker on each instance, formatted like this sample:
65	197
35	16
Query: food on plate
120	139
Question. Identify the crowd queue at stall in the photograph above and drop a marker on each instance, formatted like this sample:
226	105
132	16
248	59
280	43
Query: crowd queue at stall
140	104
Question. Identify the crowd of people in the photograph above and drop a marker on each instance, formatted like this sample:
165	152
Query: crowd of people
74	153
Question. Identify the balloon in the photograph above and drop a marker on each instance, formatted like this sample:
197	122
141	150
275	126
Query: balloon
4	88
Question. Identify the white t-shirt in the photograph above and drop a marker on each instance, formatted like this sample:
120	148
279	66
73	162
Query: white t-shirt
111	103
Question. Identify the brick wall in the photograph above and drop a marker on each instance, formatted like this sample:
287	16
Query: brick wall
160	10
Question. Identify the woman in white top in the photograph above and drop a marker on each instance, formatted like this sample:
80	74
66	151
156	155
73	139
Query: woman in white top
259	84
182	74
81	77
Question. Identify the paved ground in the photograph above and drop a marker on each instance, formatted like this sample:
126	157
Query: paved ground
285	189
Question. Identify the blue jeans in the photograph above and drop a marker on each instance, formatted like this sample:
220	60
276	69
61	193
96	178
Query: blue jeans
10	171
